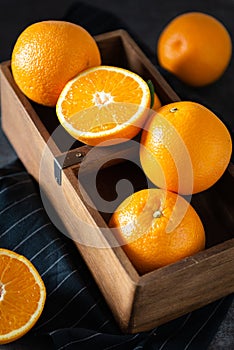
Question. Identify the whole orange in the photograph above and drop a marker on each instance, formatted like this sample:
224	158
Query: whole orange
157	103
157	228
195	47
47	55
185	148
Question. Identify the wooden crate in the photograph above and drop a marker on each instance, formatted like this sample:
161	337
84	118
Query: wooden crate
138	303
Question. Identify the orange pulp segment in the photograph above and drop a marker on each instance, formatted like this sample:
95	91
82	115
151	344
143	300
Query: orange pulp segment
22	296
104	105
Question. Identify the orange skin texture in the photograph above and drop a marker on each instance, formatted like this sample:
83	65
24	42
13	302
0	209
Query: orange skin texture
141	221
185	148
47	55
196	48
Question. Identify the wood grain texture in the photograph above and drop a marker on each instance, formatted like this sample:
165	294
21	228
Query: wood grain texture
137	302
22	125
175	290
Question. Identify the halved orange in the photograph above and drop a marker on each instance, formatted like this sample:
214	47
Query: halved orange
22	296
104	105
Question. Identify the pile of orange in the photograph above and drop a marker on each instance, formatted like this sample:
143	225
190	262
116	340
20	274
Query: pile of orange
184	147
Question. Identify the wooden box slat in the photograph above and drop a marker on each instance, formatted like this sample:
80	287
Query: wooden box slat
187	285
138	302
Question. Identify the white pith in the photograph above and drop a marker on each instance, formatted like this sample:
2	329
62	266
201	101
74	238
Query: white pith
2	291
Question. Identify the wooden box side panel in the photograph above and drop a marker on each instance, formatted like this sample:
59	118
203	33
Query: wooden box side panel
111	269
115	284
180	288
18	124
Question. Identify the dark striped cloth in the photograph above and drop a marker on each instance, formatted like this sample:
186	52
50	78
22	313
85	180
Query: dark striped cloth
75	314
